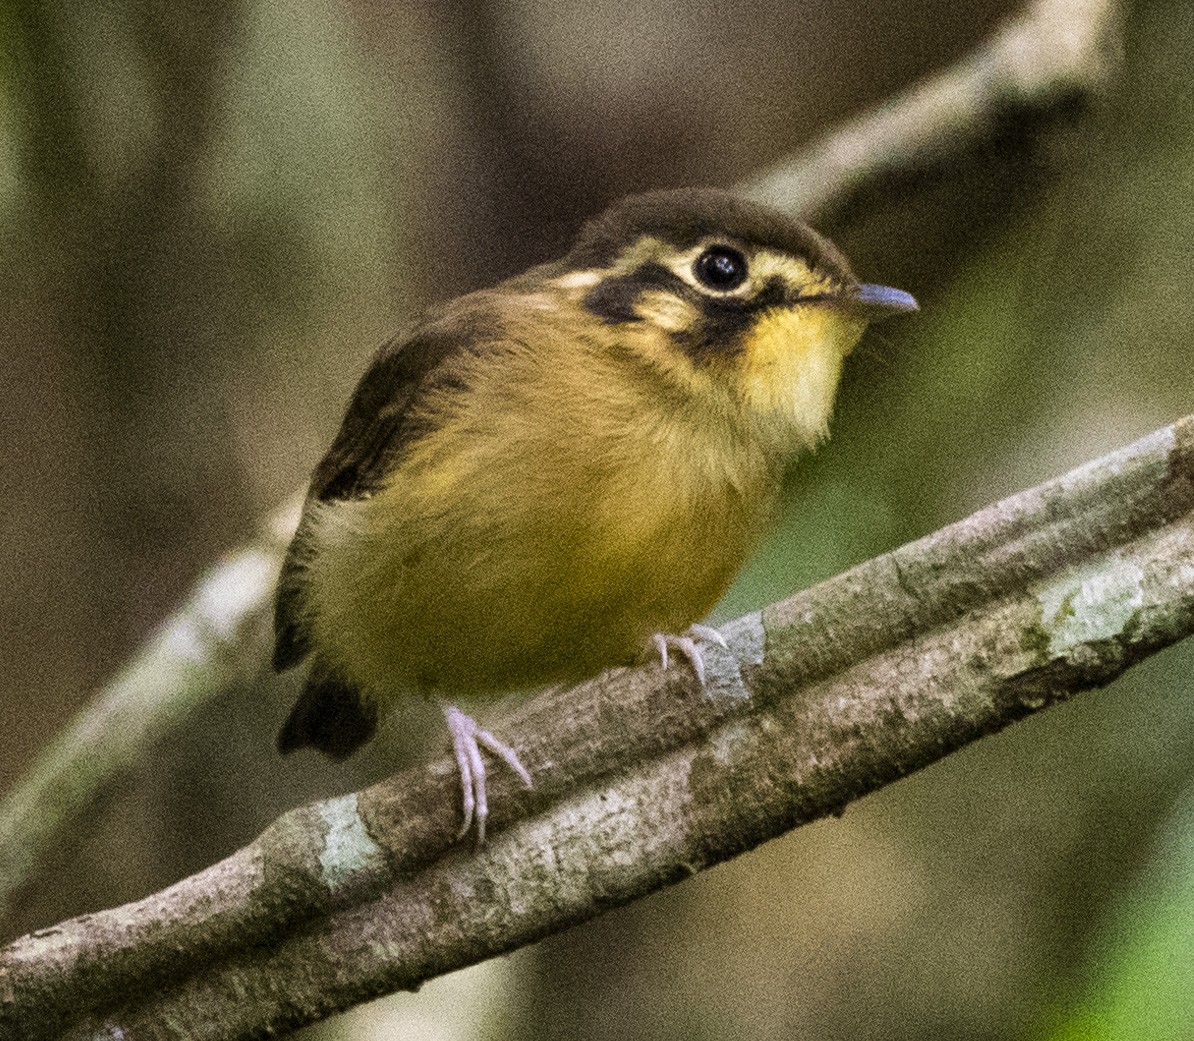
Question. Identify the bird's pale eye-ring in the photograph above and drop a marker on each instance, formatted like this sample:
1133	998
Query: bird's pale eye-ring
721	268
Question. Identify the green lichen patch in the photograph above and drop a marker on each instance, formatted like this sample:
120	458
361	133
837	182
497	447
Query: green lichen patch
1090	603
347	847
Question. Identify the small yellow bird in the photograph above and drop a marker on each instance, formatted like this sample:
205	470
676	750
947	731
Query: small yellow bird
547	478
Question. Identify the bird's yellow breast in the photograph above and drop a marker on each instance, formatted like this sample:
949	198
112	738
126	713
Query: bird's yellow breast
567	507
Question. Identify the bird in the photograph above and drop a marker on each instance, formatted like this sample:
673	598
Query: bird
563	472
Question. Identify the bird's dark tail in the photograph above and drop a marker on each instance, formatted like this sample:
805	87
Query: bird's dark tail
330	715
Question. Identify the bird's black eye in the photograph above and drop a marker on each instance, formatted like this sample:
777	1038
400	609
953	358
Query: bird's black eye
721	268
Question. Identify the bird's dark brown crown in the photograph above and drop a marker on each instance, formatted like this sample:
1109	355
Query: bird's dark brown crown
683	217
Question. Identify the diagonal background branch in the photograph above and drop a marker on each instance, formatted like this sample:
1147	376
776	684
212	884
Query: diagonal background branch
1055	56
642	778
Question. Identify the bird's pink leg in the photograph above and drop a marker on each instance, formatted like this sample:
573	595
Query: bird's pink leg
467	741
686	644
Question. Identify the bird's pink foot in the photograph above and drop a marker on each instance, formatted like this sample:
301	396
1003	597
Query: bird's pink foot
467	741
686	644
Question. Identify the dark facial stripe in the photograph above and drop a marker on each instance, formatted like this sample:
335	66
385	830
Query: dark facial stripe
613	298
722	320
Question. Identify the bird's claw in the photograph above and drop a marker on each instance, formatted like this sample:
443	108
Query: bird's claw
467	740
686	644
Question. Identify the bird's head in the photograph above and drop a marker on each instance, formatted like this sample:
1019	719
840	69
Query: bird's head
742	307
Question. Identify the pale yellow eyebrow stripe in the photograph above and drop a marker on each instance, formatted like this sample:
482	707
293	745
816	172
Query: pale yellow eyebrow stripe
765	265
583	279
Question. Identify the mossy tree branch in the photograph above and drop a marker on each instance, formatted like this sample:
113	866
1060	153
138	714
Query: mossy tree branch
642	778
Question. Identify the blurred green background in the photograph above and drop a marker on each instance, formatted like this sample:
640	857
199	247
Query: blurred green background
210	215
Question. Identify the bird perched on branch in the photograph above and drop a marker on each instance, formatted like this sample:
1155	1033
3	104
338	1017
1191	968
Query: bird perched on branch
548	477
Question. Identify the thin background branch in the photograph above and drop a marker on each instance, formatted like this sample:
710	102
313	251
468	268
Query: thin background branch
1055	55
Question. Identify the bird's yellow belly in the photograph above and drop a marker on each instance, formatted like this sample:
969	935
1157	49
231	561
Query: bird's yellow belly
517	588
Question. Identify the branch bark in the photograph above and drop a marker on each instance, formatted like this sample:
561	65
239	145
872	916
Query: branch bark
642	778
1058	52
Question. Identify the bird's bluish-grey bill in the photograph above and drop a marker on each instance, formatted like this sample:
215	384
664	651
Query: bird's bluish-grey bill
884	300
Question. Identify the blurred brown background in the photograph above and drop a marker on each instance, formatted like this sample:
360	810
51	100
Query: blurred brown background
210	215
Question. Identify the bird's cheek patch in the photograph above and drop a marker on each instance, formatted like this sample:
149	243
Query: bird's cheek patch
666	311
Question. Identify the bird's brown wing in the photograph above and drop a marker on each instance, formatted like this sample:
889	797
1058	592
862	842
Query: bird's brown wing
375	430
375	427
